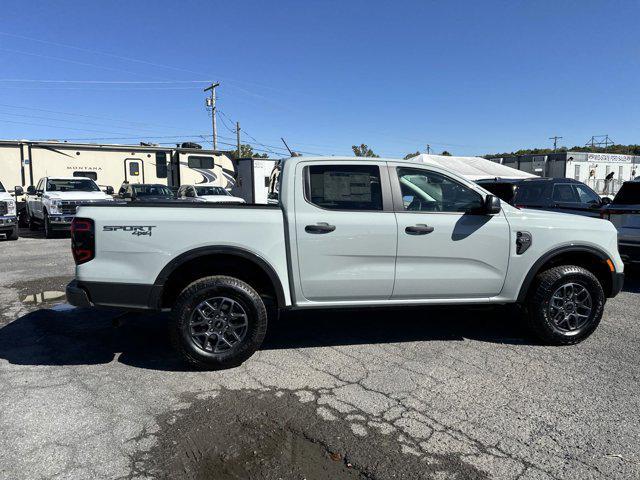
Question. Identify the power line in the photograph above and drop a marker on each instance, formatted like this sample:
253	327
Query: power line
75	114
142	82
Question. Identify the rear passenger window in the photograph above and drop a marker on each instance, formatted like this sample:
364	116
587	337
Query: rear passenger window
344	187
564	193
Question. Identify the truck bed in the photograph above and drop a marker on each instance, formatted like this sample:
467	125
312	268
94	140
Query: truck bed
136	241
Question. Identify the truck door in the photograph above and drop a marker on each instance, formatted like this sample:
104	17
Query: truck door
133	170
443	251
345	230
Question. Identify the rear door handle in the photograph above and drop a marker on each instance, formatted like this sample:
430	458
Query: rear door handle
419	229
320	227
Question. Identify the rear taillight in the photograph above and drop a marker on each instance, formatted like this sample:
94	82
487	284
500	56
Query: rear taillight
83	242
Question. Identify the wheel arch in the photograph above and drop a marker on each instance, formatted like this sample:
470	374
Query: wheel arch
229	260
586	256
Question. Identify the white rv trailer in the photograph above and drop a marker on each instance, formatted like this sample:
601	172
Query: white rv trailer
25	162
192	166
11	172
253	179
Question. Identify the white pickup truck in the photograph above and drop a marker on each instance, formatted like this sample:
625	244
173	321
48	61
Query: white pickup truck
347	233
52	203
9	213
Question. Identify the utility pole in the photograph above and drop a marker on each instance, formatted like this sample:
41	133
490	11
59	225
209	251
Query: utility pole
211	103
238	137
428	149
555	142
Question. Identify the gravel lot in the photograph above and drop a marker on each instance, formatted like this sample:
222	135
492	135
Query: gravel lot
361	394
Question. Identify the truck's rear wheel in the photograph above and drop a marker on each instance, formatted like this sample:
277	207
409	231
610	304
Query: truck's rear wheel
218	322
565	305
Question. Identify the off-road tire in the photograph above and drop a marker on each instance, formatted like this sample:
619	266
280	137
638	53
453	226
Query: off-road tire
206	288
537	312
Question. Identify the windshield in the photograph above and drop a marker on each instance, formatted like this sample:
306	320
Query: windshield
75	185
629	194
152	191
2	188
202	191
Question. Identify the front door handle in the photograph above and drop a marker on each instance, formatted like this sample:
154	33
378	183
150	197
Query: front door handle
320	227
419	229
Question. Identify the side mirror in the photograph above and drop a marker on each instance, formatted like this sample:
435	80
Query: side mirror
605	201
18	190
492	205
31	190
109	190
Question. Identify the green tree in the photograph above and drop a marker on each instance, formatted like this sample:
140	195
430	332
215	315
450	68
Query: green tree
363	151
246	151
446	154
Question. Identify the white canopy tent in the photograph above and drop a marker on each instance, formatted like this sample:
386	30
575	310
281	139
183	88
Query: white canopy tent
473	168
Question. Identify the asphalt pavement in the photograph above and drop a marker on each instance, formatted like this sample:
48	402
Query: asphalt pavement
368	394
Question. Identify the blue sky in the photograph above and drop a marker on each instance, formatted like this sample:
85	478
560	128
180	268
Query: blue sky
469	77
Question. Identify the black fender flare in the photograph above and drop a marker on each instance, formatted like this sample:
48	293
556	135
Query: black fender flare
535	268
240	252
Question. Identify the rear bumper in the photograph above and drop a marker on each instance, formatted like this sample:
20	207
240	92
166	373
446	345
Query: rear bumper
118	295
77	296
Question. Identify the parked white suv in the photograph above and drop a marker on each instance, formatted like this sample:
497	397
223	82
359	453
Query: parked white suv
52	203
8	213
207	192
347	233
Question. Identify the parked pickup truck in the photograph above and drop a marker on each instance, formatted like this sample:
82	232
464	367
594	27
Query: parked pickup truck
53	202
9	213
346	233
624	213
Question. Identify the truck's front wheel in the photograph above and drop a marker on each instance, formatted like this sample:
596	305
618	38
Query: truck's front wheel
565	305
218	322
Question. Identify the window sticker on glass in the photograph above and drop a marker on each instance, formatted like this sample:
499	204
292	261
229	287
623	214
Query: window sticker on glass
340	186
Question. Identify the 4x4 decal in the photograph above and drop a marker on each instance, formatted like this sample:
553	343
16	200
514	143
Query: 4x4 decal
136	230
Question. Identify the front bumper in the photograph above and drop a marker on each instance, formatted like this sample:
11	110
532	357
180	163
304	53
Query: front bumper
7	223
77	296
61	222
